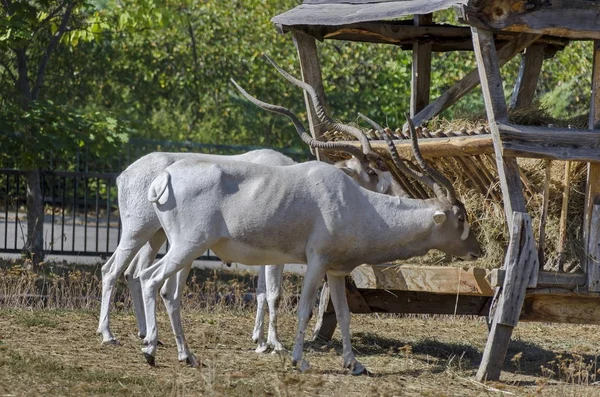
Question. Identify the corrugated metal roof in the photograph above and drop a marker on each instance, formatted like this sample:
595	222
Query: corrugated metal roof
338	12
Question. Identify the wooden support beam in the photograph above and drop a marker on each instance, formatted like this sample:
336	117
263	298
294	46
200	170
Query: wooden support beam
416	302
493	94
549	143
529	72
572	309
311	74
326	320
435	279
592	191
521	264
592	266
505	53
576	19
546	279
562	229
544	213
421	69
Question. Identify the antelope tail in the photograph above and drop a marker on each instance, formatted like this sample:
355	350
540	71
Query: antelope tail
158	191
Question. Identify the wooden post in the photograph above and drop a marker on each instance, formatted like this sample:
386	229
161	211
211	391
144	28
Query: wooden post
562	230
520	264
326	320
311	74
544	214
512	191
421	69
529	72
592	196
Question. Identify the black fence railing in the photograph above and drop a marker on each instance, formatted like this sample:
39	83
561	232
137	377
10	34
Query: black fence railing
81	214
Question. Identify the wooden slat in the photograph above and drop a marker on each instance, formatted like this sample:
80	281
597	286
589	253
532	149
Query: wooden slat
592	191
562	229
572	309
455	146
529	72
546	279
326	320
544	213
311	74
549	143
421	69
390	301
435	279
505	53
593	251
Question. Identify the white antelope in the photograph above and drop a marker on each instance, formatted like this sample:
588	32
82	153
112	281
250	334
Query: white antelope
142	235
307	213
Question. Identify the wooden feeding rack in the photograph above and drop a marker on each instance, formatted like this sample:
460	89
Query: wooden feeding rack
497	31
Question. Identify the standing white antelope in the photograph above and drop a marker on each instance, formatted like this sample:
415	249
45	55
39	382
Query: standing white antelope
307	213
142	235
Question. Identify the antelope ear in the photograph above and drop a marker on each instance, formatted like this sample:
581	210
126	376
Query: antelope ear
439	217
349	171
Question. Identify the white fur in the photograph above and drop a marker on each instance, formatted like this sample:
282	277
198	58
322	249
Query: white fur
307	213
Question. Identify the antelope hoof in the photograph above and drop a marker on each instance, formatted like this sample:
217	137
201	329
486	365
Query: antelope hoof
192	361
150	359
304	366
111	342
357	369
262	348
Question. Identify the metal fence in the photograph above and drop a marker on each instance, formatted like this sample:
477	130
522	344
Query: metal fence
81	214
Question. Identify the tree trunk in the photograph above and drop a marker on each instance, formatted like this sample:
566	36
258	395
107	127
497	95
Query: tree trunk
34	247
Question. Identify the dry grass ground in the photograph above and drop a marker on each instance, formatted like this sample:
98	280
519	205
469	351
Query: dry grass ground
56	352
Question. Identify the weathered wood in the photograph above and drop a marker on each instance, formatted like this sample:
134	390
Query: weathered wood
520	265
356	302
562	229
505	53
572	309
544	214
593	251
326	320
529	72
493	94
435	279
415	302
592	191
550	143
546	279
421	69
441	147
311	74
576	19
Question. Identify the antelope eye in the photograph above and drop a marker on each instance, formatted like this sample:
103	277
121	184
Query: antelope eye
461	218
370	172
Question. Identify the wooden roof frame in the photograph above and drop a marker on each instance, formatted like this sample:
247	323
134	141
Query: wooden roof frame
497	30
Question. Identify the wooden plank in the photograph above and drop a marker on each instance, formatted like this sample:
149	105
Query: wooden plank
549	143
544	214
562	229
326	320
505	53
421	69
592	191
570	309
593	257
435	279
546	279
576	19
311	74
521	264
415	302
356	302
529	72
455	146
493	94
